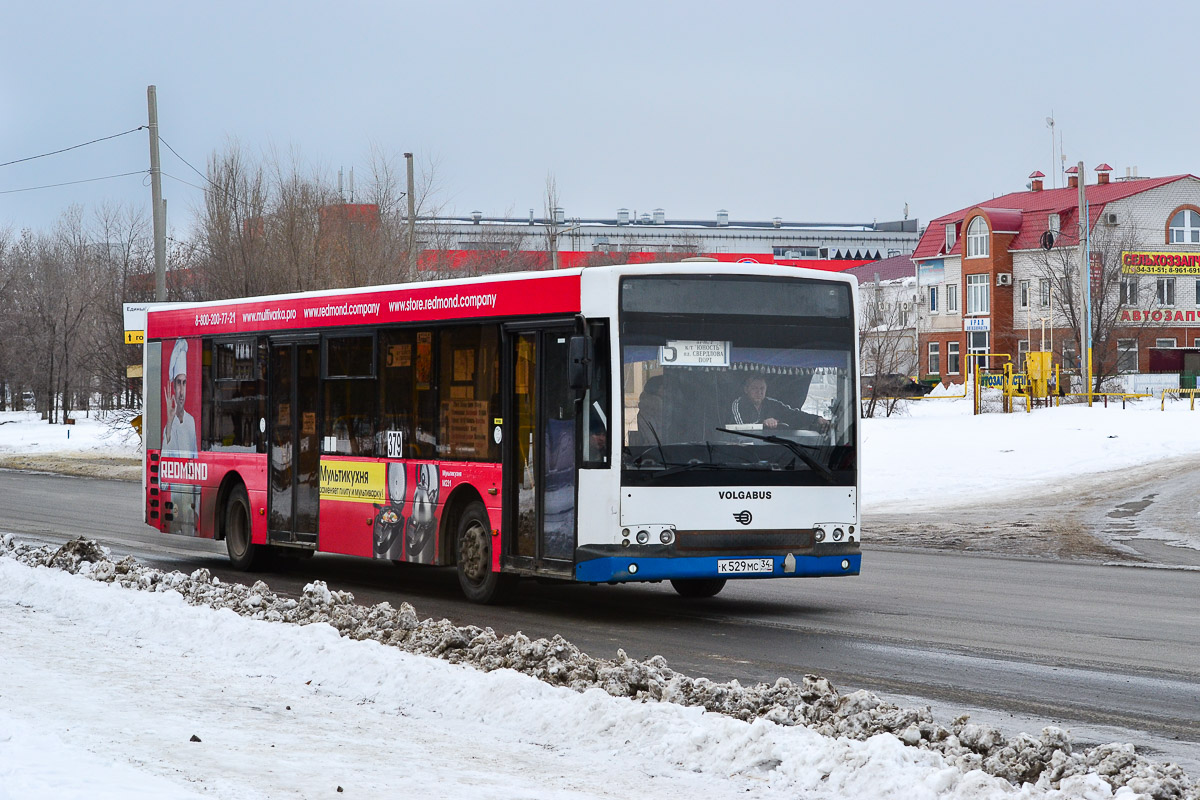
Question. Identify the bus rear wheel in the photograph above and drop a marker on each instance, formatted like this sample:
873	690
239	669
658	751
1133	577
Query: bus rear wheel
243	554
698	587
473	556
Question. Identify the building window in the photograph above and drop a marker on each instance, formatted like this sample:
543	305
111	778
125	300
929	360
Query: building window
1024	294
1044	292
934	366
933	306
1070	355
1127	355
1166	291
1054	223
951	358
792	251
977	294
1164	342
977	238
950	236
1129	291
952	296
1022	352
1198	291
1185	227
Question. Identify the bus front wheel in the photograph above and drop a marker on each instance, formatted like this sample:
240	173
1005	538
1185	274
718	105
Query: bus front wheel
698	587
473	555
243	554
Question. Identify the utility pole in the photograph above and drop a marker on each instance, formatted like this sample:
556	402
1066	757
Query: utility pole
1085	350
412	220
158	208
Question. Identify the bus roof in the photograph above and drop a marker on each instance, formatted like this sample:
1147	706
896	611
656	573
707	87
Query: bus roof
506	294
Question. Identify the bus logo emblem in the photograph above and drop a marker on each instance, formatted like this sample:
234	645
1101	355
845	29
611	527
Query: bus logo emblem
744	517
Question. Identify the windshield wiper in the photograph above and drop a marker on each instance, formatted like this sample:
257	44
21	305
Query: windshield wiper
800	450
677	468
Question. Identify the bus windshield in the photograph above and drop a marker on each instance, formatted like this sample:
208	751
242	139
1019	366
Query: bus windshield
737	380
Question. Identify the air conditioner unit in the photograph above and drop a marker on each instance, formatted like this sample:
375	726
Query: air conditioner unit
1109	218
1004	279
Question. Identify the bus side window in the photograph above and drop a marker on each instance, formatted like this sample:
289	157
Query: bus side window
395	429
468	379
598	438
350	395
234	397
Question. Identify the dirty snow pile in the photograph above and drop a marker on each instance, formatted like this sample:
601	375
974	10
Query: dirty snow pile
801	739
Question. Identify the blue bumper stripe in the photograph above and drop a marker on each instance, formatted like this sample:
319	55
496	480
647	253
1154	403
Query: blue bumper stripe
604	570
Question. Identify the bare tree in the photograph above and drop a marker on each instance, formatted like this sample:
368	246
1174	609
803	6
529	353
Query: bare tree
8	281
125	256
233	260
887	341
280	225
1060	267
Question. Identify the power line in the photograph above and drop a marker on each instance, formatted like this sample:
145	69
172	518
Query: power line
181	180
74	147
72	183
184	160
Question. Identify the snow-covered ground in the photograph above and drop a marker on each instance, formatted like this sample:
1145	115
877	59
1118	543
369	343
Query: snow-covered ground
936	448
105	689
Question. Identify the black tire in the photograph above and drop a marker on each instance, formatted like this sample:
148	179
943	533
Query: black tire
243	555
473	557
698	587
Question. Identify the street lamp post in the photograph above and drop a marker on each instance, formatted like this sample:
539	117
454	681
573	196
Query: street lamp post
1085	306
553	232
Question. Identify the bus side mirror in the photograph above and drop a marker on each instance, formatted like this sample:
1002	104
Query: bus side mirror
582	354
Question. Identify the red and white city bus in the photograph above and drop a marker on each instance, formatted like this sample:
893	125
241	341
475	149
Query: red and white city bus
677	422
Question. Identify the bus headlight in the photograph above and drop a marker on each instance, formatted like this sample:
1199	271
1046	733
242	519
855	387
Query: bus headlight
666	537
643	537
820	534
838	533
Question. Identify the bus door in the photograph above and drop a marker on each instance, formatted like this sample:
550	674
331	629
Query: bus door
295	447
541	453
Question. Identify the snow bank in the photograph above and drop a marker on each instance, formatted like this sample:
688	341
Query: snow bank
806	736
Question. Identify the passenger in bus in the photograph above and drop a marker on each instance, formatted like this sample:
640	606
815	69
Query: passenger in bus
650	412
753	406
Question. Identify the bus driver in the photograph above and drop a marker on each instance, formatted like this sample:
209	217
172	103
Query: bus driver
754	407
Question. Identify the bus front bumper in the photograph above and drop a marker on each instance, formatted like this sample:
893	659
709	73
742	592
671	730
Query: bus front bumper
628	568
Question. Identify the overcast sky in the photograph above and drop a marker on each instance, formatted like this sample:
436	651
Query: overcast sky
837	112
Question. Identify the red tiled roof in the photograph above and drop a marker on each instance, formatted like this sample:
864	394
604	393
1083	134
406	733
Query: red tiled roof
888	269
1034	209
1003	220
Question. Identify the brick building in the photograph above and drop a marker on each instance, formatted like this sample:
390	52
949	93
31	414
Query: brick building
996	277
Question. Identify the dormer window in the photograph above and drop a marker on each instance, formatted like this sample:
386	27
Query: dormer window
951	236
1185	227
977	238
1054	223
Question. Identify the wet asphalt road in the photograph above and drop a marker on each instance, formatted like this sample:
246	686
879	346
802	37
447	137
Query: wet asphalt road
1062	642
